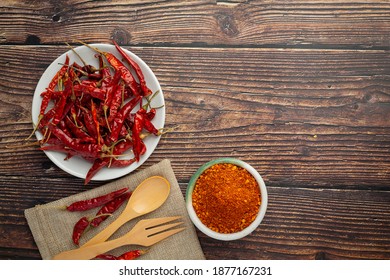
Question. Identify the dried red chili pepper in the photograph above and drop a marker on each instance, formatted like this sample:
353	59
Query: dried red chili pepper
60	148
122	147
88	204
79	229
61	103
81	226
123	162
64	128
97	165
110	90
136	135
89	123
119	119
55	147
145	90
96	122
109	208
149	126
74	113
54	81
131	255
45	103
151	114
104	72
126	74
93	91
46	119
78	132
87	150
116	101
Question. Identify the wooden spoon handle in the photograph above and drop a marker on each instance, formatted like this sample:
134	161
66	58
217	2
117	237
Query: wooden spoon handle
90	252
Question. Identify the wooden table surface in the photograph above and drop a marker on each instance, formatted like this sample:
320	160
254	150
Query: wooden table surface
298	89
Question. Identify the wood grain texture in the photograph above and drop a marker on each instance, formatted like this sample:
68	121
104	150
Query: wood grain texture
298	89
313	122
315	224
336	23
321	115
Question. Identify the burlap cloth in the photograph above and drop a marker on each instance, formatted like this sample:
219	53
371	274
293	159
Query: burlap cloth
52	226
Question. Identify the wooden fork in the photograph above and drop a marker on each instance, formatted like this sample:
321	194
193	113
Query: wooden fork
145	233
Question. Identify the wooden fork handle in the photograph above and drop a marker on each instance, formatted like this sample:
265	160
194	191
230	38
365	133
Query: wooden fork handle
90	252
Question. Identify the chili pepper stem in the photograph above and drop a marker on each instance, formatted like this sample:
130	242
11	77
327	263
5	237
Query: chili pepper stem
109	164
105	107
40	117
110	148
45	137
75	121
114	156
74	68
82	60
92	48
161	131
150	99
36	143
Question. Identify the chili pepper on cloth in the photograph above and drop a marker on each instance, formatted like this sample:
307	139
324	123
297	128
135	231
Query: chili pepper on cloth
79	229
110	202
89	111
130	255
109	208
88	204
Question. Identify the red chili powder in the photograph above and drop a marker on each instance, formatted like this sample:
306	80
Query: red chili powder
226	198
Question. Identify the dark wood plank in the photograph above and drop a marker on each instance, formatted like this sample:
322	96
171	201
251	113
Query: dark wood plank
314	224
338	24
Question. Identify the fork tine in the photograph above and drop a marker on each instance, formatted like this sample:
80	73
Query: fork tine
160	236
157	229
158	221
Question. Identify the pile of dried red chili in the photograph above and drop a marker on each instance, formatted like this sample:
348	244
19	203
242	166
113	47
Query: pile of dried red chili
226	198
91	113
108	204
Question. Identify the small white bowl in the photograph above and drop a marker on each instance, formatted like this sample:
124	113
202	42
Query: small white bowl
227	236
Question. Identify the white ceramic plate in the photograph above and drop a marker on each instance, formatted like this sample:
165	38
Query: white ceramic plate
77	166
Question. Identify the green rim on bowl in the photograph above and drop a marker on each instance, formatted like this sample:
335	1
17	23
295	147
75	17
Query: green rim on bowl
223	236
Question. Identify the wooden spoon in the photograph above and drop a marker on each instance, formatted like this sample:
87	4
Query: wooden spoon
147	197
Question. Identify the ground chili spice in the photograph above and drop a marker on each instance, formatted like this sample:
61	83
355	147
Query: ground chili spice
226	198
